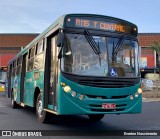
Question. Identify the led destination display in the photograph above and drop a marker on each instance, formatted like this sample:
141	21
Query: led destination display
101	24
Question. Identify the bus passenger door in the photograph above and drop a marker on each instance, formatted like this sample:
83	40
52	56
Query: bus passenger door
23	74
51	74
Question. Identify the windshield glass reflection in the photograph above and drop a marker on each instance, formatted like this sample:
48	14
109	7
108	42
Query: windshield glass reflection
80	58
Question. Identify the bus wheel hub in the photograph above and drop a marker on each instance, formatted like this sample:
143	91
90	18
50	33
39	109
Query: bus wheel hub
39	107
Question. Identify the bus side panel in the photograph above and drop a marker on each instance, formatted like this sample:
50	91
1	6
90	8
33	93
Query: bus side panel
38	81
30	85
18	88
29	89
15	87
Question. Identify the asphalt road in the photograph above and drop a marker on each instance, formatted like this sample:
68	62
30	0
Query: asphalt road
25	119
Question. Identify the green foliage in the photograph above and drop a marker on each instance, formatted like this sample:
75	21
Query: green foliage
156	46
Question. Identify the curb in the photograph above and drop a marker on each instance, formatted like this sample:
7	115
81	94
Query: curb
150	99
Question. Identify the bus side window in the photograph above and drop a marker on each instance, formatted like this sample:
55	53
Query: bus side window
39	55
31	59
8	69
14	68
40	47
19	63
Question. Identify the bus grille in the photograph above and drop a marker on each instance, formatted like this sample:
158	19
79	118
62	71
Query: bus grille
103	82
105	97
107	83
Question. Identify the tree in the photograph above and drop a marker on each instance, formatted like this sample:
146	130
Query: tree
156	46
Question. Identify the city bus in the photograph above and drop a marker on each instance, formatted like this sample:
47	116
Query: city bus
82	64
3	77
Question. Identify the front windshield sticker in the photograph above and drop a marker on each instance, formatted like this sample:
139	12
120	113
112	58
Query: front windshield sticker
113	72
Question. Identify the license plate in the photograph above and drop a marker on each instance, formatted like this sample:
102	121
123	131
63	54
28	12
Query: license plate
108	106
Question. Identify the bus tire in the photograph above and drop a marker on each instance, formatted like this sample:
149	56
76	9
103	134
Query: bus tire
96	117
13	102
42	116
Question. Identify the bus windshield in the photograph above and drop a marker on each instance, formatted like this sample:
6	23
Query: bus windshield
116	57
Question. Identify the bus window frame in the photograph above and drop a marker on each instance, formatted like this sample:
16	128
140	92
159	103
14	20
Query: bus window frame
14	67
8	69
31	56
19	65
38	54
38	45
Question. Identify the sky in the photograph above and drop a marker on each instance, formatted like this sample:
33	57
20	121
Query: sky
34	16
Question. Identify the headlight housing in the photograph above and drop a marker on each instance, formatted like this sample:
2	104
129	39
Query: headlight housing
139	91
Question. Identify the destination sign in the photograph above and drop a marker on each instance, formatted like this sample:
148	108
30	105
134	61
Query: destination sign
105	25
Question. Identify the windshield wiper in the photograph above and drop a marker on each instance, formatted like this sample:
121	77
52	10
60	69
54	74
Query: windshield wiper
119	44
93	44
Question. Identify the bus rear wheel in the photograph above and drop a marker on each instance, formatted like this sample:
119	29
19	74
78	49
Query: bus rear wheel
96	117
42	116
13	103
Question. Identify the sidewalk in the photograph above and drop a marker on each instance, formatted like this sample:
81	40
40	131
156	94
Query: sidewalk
151	94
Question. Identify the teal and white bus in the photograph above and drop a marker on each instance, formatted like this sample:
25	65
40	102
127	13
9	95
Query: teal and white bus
82	64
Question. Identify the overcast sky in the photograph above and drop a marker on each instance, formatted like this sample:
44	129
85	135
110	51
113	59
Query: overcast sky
34	16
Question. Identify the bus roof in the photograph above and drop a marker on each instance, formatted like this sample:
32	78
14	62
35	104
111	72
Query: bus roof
60	23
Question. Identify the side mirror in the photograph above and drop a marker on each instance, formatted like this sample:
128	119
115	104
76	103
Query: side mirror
68	53
59	40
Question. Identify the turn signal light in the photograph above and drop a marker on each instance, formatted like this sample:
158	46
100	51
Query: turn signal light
63	84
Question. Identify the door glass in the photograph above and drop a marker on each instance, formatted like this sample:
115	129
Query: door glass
52	94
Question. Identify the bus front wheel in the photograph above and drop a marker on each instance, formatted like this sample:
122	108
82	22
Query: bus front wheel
96	117
42	116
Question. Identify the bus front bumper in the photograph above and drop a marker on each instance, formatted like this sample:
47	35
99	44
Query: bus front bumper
73	105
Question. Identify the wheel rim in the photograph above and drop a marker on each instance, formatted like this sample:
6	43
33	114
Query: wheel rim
12	99
39	108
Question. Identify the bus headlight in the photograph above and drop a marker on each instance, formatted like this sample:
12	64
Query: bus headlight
131	97
67	89
139	91
73	94
81	97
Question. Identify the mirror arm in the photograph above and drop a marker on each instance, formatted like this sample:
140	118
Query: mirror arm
60	53
60	38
